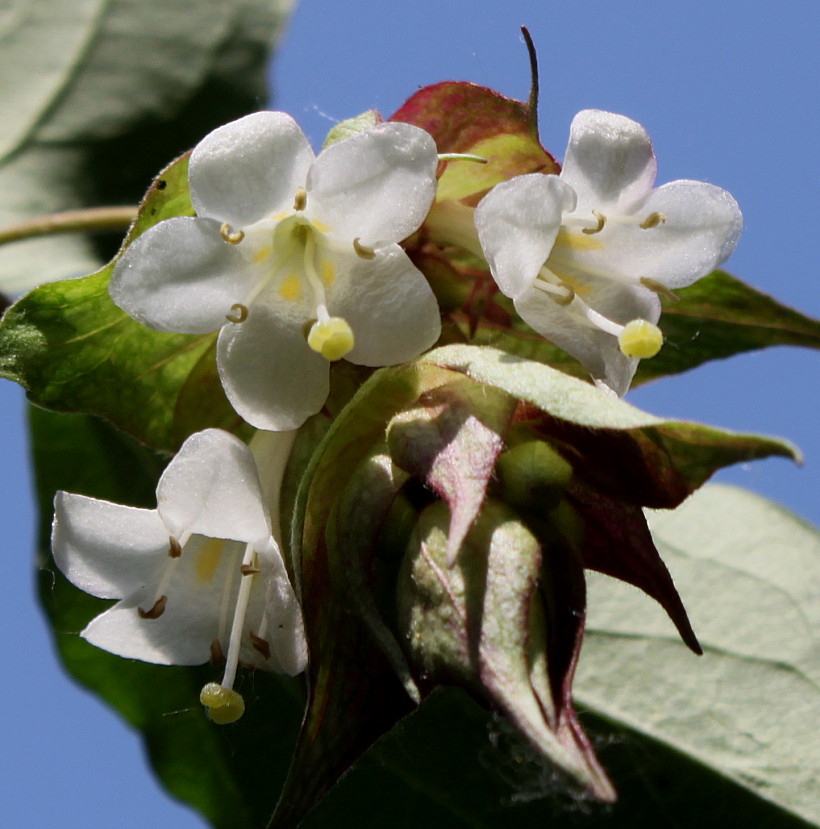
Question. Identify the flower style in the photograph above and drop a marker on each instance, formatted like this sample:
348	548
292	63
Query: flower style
584	255
200	577
295	258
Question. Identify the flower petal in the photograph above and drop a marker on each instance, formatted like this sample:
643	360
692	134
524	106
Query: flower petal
246	170
517	222
106	549
268	371
211	487
180	276
609	160
389	305
376	186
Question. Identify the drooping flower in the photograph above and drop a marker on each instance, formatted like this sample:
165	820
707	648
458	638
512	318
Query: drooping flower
584	255
199	578
295	258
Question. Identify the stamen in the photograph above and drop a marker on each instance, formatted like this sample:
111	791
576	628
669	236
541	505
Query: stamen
174	548
653	220
232	237
559	292
641	339
156	610
601	222
241	313
224	704
461	157
250	569
659	288
259	644
362	251
217	656
300	200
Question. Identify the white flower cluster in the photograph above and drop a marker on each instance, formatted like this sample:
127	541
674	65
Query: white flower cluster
296	261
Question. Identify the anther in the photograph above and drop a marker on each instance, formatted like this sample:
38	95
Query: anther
232	237
174	548
660	289
653	220
599	227
362	251
155	611
240	315
217	654
259	644
564	299
300	199
248	569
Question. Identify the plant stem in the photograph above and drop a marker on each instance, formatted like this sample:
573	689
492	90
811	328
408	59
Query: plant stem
86	220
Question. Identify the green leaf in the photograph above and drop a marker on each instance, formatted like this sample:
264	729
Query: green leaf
749	573
231	774
99	94
73	350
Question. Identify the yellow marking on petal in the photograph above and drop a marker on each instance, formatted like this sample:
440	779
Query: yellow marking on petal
328	274
224	704
321	227
279	216
576	241
640	339
261	255
290	288
207	559
332	338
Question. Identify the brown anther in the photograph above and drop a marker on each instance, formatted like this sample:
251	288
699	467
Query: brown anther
260	644
653	220
156	611
217	656
248	569
362	251
174	548
241	313
658	288
232	237
599	227
564	300
300	199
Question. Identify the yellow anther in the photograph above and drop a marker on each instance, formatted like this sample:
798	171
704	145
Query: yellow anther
155	611
224	704
659	288
300	199
232	237
362	251
653	220
599	227
566	298
240	313
332	338
640	339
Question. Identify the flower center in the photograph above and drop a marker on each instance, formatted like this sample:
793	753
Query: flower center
295	253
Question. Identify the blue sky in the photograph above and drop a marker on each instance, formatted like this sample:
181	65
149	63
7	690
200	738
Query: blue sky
726	89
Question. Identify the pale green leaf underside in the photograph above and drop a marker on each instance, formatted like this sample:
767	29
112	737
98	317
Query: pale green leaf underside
749	574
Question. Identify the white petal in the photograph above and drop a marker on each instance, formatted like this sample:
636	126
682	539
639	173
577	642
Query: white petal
248	169
702	228
390	307
268	371
609	160
106	549
211	487
517	222
377	186
180	276
286	630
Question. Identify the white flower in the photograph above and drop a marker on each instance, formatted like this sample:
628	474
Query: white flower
198	578
295	258
584	255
